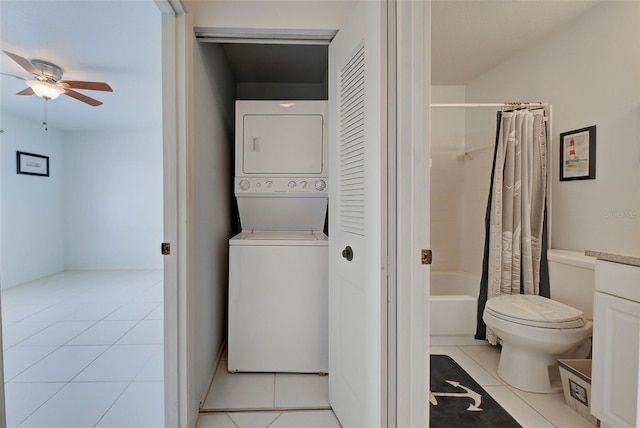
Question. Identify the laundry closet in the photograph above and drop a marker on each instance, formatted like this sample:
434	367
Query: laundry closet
357	78
274	187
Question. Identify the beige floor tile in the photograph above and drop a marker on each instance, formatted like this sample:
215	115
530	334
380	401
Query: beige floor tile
520	410
307	419
554	408
301	391
488	357
254	419
240	390
215	421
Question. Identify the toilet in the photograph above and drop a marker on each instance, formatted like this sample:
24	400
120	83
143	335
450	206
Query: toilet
535	331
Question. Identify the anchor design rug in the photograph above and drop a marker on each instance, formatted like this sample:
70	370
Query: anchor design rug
458	401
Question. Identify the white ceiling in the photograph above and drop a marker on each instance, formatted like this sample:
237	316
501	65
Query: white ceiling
117	42
469	37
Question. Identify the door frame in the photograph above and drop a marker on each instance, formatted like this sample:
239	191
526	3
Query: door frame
3	415
172	75
180	409
408	218
411	199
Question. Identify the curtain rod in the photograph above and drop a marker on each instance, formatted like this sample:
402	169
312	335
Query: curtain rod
514	104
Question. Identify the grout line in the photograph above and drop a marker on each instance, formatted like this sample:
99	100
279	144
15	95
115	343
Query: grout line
512	390
265	410
273	421
275	376
45	356
232	421
45	401
112	404
50	323
76	296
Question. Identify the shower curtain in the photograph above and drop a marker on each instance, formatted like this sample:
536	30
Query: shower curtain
515	259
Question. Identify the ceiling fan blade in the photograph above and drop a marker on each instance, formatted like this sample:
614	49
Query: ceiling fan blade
26	91
81	97
13	75
93	86
24	63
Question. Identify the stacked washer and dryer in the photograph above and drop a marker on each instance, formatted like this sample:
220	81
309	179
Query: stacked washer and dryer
278	296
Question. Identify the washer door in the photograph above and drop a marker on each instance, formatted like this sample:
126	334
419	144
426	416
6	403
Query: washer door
278	316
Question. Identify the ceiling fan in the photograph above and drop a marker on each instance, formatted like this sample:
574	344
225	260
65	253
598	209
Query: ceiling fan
47	81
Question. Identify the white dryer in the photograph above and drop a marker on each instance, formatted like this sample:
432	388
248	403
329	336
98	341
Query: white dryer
278	296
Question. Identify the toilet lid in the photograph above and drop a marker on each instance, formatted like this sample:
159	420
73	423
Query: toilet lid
535	311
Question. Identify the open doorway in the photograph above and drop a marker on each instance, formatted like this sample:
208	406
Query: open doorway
207	165
266	71
474	87
81	270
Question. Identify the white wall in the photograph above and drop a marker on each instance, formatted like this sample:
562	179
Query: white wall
459	184
590	72
113	199
277	14
212	193
447	177
32	206
475	193
480	136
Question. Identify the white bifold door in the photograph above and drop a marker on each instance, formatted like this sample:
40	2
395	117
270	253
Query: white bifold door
357	210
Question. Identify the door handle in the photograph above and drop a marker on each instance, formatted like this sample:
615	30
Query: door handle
347	253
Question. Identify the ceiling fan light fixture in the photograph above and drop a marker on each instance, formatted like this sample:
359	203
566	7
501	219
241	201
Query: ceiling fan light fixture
46	90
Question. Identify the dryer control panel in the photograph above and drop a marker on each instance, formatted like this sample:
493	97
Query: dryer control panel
284	185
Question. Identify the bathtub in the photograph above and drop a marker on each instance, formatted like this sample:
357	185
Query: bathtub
454	299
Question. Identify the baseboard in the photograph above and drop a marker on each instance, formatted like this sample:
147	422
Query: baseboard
213	373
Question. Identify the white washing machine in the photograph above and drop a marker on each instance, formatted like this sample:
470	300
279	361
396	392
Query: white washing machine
278	282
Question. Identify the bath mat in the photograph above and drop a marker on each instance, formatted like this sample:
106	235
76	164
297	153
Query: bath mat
458	401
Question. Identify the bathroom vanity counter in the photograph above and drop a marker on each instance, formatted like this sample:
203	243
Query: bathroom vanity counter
615	258
616	343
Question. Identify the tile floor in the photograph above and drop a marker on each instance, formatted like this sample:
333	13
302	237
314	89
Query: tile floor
261	391
85	349
266	391
529	409
267	400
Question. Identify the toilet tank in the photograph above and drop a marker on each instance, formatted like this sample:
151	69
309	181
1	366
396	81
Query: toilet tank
572	279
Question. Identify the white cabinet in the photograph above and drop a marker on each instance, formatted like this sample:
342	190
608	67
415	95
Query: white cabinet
616	345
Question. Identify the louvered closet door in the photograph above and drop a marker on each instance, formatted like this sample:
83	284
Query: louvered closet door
357	311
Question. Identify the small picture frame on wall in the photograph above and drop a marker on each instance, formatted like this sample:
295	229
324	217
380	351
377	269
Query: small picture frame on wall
578	154
32	164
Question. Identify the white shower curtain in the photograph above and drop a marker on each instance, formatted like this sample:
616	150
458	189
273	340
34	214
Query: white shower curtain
517	206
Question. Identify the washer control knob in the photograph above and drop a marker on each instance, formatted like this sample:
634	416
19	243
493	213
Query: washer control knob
292	184
320	185
244	184
269	183
303	184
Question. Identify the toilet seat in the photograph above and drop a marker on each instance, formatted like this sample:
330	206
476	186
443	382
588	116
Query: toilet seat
535	311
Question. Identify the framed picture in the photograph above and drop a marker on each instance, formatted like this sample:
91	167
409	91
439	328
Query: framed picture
32	164
578	154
